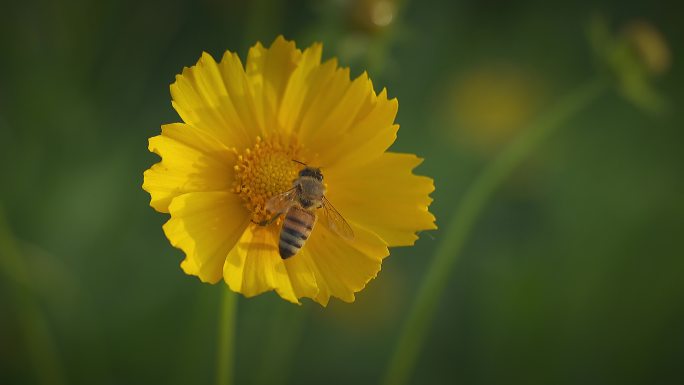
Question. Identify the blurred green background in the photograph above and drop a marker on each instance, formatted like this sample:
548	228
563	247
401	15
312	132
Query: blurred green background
574	273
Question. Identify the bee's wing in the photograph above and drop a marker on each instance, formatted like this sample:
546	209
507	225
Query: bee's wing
334	221
278	204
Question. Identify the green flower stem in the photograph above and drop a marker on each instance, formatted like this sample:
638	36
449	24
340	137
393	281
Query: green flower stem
453	238
287	327
40	343
226	334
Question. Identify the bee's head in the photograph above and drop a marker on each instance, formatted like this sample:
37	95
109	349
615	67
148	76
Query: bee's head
312	172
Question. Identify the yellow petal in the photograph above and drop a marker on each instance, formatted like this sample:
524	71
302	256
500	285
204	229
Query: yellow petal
206	226
205	97
241	95
254	265
268	71
367	137
326	92
302	85
334	118
319	133
191	161
302	274
344	267
385	196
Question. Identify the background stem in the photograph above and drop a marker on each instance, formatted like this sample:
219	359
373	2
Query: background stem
280	349
40	343
459	227
226	334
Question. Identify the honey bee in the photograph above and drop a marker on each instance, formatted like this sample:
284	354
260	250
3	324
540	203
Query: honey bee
300	205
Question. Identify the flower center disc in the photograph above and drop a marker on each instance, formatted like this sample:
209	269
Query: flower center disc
263	171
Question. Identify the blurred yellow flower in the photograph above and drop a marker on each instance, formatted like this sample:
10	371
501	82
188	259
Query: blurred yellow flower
243	128
489	104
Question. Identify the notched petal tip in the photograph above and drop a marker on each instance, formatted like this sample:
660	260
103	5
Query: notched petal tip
229	55
342	267
156	203
312	54
206	56
280	40
282	294
152	146
205	226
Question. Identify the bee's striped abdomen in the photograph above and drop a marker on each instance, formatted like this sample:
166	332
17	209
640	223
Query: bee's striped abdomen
296	229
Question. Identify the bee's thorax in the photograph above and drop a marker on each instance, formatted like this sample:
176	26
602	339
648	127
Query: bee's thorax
311	192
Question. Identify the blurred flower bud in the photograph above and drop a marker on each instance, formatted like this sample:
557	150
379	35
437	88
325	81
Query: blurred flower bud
631	59
373	16
649	45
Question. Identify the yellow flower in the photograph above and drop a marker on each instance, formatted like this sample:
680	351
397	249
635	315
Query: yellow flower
243	129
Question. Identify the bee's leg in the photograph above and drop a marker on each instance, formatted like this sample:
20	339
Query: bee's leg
267	222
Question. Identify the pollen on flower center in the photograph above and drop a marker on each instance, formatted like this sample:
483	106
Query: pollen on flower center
263	171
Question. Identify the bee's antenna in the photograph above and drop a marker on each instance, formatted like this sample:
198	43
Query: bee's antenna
302	163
